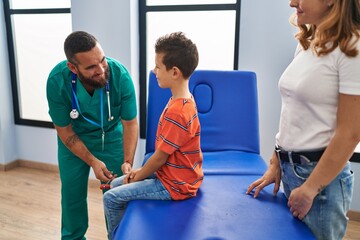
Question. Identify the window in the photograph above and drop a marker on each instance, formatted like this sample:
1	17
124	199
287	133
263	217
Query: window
36	30
213	25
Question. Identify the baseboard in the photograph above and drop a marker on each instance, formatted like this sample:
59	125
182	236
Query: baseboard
93	183
354	215
9	166
29	164
36	165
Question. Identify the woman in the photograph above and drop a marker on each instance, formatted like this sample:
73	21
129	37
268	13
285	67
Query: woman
320	117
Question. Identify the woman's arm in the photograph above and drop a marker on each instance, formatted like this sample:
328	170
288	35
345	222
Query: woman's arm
335	157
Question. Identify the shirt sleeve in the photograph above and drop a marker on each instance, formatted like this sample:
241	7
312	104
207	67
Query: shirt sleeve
349	73
58	101
123	98
128	97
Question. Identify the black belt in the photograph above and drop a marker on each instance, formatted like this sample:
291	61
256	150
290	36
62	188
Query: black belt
298	157
355	157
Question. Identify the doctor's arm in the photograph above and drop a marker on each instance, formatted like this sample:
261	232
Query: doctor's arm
72	141
130	138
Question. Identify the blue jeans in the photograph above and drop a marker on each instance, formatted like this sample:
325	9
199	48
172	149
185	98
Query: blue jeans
327	217
116	199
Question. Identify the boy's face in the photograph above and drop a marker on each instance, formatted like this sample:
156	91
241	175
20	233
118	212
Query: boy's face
163	76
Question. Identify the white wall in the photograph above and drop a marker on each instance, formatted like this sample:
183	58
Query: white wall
7	127
266	47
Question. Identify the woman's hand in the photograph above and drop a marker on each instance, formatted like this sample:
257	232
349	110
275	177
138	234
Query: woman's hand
300	201
272	175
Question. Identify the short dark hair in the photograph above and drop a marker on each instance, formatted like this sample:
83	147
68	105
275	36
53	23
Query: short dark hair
77	42
178	51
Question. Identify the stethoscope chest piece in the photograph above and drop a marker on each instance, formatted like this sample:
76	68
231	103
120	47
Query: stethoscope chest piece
74	114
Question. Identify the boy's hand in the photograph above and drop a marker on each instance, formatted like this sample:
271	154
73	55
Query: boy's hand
132	176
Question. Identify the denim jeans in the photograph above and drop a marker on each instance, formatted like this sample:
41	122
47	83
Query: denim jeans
327	217
116	199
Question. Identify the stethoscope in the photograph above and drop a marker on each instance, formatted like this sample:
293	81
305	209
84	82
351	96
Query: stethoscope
76	111
74	114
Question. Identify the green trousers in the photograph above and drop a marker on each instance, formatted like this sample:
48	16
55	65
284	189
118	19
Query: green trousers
74	176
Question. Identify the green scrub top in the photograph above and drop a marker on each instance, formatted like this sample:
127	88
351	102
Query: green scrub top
122	104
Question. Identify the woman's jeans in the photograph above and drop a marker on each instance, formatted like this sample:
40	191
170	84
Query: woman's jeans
327	217
116	199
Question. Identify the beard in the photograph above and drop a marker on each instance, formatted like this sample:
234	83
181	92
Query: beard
95	84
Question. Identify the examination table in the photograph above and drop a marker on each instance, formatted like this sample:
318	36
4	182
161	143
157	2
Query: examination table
227	104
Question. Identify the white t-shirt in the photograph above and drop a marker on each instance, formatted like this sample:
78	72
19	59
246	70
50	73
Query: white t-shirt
309	89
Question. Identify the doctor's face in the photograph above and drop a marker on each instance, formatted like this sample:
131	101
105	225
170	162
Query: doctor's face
92	68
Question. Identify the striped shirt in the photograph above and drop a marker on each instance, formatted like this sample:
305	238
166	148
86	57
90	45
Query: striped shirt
178	135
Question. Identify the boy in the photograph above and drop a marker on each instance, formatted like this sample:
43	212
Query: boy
174	171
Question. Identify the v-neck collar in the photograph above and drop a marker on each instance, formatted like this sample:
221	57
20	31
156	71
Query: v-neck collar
86	98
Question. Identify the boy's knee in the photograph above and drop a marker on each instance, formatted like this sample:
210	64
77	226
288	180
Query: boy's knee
108	198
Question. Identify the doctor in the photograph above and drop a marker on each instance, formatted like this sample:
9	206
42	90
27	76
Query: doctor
92	104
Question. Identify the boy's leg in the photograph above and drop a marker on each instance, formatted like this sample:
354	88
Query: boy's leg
116	199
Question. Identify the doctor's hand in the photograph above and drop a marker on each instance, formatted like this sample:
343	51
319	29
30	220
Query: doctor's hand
100	171
272	175
126	167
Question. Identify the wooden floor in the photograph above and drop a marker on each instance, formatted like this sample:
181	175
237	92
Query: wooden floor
30	207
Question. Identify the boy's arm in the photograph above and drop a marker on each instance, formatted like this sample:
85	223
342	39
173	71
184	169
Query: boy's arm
158	159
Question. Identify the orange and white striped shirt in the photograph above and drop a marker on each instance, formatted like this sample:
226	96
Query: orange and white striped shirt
178	135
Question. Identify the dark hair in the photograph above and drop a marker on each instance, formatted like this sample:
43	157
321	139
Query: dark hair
178	51
77	42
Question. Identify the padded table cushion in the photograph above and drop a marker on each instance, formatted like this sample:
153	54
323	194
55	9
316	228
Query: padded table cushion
227	105
221	210
231	162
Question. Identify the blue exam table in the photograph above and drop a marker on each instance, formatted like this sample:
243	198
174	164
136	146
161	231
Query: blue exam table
228	112
221	210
